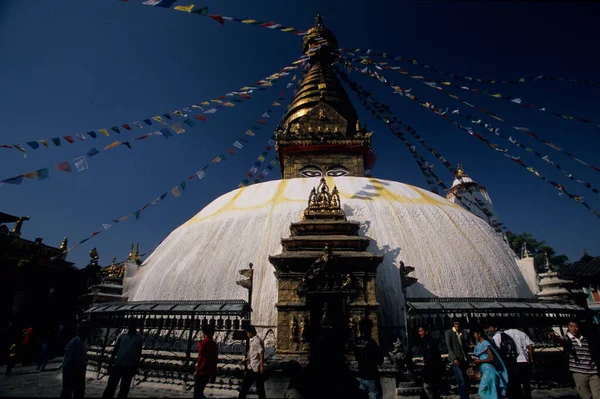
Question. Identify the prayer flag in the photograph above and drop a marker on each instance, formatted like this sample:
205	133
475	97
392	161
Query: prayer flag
138	125
175	191
201	173
137	214
94	135
14	180
165	132
151	2
70	139
239	145
126	126
56	141
185	8
159	120
249	133
44	143
80	136
201	117
261	121
30	175
126	143
201	11
167	116
211	111
112	145
80	164
106	226
166	3
92	152
64	166
178	129
102	131
189	122
43	173
115	129
276	104
33	144
217	18
182	185
230	151
148	122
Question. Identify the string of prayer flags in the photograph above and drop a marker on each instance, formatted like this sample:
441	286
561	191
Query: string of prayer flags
467	78
435	82
523	130
430	177
234	96
495	147
544	157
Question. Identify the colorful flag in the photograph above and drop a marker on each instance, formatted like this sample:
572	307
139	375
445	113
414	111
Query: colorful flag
112	145
126	126
239	145
115	129
138	125
56	141
201	11
148	122
64	166
80	164
175	191
178	129
217	18
70	139
33	144
137	214
201	173
44	143
182	185
13	180
159	120
189	122
80	136
184	8
249	133
93	152
165	132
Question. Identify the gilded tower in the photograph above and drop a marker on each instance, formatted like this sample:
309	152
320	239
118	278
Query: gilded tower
321	135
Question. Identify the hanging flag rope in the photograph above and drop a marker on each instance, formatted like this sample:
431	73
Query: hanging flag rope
249	180
390	119
203	11
377	110
207	107
434	82
467	78
544	157
523	130
497	226
177	190
495	147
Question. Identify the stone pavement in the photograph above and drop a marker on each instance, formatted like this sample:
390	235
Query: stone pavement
28	382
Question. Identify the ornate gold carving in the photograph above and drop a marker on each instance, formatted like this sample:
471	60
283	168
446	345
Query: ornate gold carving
322	115
63	244
293	329
322	203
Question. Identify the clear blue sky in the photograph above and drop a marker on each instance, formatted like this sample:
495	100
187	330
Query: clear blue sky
71	66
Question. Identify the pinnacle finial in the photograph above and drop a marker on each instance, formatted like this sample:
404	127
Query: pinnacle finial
319	21
460	172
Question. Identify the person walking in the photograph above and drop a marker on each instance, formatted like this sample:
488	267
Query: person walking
433	367
494	377
206	367
519	373
12	358
126	359
256	360
584	356
74	364
369	357
506	347
458	349
44	354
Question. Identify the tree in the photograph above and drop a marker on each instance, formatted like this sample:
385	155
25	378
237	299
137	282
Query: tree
538	250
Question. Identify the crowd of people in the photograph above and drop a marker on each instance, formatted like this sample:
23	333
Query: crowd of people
499	361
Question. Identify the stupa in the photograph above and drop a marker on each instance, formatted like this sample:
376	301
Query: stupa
456	255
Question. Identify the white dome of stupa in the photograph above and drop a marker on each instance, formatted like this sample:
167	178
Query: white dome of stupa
455	254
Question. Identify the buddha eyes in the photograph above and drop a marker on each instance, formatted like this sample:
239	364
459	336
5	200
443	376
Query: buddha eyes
311	172
337	172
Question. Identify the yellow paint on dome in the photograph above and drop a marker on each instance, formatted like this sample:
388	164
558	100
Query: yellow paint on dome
280	197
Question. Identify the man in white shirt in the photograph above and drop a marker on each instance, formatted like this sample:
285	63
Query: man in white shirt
256	359
520	375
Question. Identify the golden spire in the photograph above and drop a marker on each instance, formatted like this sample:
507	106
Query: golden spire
460	173
319	21
63	244
136	254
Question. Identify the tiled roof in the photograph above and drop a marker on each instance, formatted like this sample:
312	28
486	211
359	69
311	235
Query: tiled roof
586	267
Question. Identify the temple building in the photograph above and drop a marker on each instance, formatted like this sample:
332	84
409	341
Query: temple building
462	266
474	197
38	286
585	277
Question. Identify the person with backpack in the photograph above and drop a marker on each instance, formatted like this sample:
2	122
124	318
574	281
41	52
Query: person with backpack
508	350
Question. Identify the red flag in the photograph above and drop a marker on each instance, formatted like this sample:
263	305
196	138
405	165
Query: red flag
70	139
64	166
266	24
126	126
200	117
250	175
229	150
245	96
223	97
217	18
261	121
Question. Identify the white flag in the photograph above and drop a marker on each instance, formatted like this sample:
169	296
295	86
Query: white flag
106	226
200	174
80	164
239	145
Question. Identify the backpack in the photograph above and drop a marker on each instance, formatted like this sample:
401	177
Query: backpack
508	349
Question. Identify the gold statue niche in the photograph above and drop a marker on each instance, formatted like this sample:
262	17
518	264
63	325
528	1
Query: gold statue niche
322	115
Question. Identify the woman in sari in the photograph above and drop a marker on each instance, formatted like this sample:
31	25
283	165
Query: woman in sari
494	378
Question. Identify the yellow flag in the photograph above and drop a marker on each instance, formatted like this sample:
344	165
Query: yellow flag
364	61
228	104
249	132
496	95
275	104
267	84
446	83
294	78
123	218
217	101
44	143
205	103
178	129
288	29
104	132
521	80
495	117
31	175
160	120
185	8
249	21
112	145
217	159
